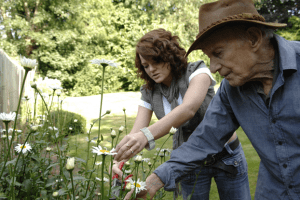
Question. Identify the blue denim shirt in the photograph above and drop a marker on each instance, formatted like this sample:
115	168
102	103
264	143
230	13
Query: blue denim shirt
274	131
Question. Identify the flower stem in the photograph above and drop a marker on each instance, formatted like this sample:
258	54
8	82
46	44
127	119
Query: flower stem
157	155
73	189
15	169
137	170
15	122
111	165
125	121
98	141
102	86
102	176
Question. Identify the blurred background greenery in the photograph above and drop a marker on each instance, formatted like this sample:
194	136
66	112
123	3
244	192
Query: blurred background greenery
64	35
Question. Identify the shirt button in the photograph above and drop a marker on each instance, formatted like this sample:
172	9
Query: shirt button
284	165
235	162
290	186
280	143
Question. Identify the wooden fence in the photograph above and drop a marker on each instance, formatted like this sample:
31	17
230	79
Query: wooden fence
11	77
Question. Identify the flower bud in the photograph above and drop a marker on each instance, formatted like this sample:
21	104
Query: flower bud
128	186
149	163
121	129
127	163
48	149
113	134
33	85
70	163
75	120
58	93
70	128
34	128
173	130
138	159
55	194
124	109
108	112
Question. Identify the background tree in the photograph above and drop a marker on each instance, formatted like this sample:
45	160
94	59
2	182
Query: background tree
64	37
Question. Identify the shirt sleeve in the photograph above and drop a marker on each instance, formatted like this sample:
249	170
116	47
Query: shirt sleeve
145	104
145	98
203	70
209	137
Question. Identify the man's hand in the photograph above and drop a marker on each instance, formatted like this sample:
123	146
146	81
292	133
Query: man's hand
130	145
153	184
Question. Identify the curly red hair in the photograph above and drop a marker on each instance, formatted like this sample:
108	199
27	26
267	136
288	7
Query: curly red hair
160	46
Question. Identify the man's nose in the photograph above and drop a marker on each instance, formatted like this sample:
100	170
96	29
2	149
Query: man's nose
214	66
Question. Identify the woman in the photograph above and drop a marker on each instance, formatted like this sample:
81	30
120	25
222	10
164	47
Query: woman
179	93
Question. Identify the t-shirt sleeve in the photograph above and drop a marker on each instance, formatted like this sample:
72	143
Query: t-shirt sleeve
200	69
145	98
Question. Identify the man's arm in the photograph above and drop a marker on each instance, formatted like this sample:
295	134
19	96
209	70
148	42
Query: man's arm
213	132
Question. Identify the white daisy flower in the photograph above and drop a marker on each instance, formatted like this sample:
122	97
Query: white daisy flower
75	120
127	171
103	61
105	179
10	130
99	151
87	139
94	141
28	63
25	148
53	128
140	185
58	93
98	163
146	159
7	117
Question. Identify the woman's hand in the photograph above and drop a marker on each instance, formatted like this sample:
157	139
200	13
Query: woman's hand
130	145
116	170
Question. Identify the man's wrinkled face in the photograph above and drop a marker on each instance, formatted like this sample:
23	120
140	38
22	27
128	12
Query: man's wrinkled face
231	55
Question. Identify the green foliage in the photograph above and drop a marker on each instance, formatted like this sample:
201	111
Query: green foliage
64	37
293	32
278	10
64	120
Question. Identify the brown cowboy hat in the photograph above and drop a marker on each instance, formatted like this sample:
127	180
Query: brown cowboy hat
213	15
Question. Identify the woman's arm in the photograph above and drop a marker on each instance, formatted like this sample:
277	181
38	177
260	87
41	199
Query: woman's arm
192	101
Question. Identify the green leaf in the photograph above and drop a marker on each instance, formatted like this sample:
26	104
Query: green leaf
80	160
11	162
52	165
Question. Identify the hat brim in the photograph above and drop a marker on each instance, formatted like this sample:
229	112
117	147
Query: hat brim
196	46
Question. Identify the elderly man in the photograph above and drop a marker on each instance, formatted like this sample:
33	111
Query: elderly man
260	93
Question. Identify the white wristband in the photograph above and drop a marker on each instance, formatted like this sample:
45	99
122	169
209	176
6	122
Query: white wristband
150	138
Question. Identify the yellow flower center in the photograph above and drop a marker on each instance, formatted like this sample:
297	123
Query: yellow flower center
137	185
23	147
104	151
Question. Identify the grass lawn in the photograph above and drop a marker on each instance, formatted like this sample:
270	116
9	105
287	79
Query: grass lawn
117	120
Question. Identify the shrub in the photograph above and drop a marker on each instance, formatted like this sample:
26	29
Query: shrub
64	120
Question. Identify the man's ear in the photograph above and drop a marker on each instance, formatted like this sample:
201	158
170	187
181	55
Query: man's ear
255	37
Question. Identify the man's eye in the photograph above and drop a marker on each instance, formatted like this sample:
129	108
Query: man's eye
217	53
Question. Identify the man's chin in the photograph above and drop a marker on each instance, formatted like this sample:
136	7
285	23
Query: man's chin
235	83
